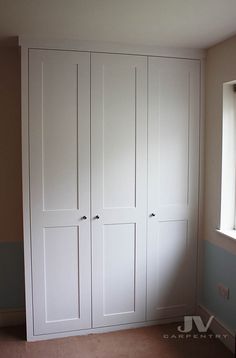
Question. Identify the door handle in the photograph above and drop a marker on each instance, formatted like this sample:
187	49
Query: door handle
153	214
97	217
84	217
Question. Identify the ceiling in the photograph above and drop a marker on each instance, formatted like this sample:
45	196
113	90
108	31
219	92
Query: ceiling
177	23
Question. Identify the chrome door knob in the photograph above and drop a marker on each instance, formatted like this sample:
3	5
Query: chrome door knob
84	217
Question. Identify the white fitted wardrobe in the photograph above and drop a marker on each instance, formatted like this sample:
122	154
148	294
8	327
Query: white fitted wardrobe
110	183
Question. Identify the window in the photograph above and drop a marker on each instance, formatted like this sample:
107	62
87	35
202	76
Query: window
228	180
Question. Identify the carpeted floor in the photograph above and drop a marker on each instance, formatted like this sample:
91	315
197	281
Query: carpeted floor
146	342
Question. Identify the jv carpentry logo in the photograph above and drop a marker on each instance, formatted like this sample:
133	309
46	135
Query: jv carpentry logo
187	330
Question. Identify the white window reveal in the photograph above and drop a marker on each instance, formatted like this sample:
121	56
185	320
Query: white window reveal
228	181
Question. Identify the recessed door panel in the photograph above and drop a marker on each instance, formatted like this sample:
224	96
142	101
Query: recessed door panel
119	247
173	147
168	257
119	188
172	161
59	122
61	269
119	124
59	137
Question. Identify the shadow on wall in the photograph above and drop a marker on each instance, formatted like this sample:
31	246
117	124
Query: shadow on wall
11	245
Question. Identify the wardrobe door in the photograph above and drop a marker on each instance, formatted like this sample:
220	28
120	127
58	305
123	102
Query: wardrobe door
59	117
119	186
173	151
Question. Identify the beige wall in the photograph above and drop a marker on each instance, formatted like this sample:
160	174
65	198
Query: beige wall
10	146
220	68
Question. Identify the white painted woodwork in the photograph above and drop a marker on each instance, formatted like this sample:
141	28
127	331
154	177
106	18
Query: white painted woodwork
59	132
228	176
110	47
119	188
140	269
173	151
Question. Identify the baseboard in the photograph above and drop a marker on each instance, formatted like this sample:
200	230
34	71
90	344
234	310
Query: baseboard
12	317
32	338
218	328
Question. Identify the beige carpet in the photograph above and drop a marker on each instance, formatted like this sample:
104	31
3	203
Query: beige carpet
137	343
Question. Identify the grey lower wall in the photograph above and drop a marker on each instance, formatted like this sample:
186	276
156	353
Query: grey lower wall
11	275
219	267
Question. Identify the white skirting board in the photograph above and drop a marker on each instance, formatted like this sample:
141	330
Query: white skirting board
107	329
218	328
12	317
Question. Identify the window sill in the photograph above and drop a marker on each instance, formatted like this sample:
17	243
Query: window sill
228	233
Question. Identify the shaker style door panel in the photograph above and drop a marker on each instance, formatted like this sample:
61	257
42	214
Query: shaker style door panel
119	188
59	123
173	140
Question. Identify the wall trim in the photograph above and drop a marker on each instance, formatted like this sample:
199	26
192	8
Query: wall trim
217	327
111	47
12	317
